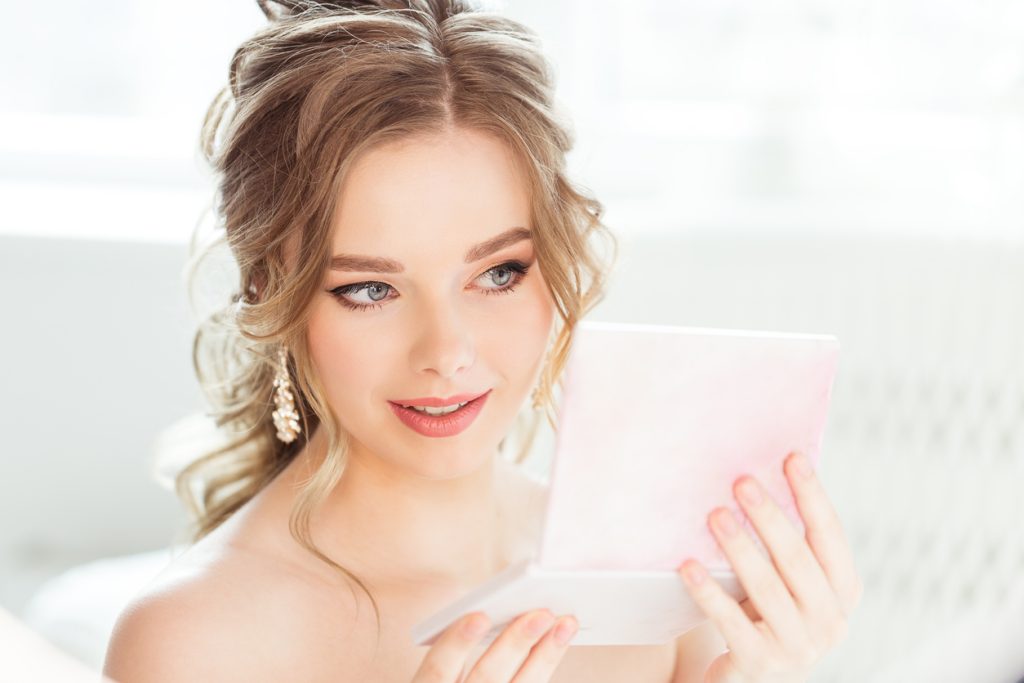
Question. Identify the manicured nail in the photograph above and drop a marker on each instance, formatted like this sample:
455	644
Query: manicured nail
726	523
695	574
475	626
539	623
750	492
803	465
565	631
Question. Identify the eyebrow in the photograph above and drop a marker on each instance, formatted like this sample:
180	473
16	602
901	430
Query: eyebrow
376	264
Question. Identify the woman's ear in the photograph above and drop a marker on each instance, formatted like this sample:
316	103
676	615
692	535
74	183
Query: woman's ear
257	284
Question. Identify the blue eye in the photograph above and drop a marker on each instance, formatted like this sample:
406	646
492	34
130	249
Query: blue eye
517	268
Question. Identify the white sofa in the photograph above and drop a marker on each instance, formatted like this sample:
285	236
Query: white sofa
924	449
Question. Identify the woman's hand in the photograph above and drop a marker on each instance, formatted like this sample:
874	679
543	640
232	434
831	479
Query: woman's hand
530	637
797	604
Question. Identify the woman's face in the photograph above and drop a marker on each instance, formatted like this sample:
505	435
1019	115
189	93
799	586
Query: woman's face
449	318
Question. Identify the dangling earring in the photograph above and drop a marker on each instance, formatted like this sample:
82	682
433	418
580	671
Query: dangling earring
285	418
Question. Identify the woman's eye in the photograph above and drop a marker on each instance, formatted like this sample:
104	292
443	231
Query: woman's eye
507	276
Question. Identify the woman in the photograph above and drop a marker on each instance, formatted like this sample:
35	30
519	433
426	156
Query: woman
392	185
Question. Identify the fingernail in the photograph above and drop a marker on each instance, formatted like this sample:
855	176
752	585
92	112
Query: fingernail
726	523
695	574
475	626
539	623
750	492
565	631
803	465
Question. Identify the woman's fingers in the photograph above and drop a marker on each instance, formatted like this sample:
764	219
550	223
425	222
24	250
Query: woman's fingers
759	577
446	658
799	596
526	651
794	560
545	656
734	621
824	532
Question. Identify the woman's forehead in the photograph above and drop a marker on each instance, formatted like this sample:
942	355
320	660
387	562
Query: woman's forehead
461	184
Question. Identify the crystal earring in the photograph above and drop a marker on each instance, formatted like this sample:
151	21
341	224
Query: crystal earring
286	419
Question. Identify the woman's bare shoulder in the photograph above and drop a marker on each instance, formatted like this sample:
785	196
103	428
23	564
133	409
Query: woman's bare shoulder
237	618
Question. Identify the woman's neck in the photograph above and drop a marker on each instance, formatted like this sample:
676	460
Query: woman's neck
387	523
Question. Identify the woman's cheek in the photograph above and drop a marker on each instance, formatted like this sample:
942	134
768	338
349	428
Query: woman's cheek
527	330
339	358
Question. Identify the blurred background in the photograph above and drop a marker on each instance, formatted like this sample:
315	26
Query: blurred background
852	168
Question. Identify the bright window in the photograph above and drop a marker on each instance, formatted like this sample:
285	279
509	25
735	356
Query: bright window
885	116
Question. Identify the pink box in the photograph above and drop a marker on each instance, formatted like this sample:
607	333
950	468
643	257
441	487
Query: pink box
654	428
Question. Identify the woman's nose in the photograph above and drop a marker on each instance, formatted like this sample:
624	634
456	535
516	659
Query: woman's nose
445	342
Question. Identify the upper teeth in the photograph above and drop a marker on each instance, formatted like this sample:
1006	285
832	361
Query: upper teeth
437	411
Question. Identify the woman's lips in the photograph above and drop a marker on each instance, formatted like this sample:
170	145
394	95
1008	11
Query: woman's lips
441	425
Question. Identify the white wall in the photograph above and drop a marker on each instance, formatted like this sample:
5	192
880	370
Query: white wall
890	117
96	361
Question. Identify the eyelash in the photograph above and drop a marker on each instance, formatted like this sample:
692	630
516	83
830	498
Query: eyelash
517	267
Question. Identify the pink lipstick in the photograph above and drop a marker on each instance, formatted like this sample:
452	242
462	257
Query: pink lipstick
440	425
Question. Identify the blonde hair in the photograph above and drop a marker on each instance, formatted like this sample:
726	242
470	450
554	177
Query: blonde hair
320	84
